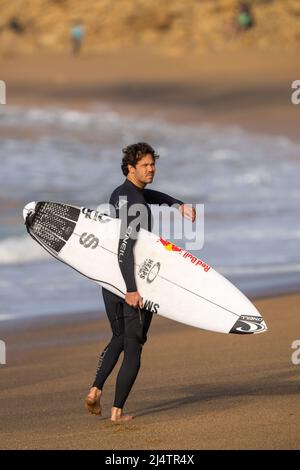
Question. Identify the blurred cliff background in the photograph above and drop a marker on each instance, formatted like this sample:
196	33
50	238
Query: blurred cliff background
172	28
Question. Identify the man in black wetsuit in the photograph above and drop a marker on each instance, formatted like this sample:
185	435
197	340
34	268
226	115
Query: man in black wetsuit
129	321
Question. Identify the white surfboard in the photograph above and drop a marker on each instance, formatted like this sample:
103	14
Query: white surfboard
172	282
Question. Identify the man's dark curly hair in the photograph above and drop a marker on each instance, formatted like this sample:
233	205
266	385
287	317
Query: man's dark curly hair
133	153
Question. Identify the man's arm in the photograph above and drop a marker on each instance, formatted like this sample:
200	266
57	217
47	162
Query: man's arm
126	262
156	197
126	243
128	234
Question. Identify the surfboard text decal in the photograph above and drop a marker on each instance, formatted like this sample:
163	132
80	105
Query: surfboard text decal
89	240
94	215
185	254
149	270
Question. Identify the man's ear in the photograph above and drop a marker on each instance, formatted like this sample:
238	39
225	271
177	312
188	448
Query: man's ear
130	168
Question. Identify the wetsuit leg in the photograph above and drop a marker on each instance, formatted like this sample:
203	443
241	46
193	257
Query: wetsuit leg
129	327
136	325
110	355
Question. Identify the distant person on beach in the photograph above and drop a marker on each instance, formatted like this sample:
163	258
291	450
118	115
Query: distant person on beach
128	319
15	26
77	35
244	19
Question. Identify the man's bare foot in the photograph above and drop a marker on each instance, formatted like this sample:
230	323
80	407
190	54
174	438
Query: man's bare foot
92	401
117	416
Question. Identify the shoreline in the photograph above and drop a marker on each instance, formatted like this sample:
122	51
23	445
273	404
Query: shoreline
282	120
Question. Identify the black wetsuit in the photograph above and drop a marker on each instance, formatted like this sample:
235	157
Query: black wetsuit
129	325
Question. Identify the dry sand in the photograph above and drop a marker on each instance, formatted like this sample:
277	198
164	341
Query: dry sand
196	390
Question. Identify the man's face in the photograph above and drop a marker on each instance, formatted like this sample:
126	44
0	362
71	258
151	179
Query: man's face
144	170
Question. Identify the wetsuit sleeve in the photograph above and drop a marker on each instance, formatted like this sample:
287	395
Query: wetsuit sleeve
156	197
126	263
128	231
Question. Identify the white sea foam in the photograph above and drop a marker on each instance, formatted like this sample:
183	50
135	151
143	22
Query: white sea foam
16	250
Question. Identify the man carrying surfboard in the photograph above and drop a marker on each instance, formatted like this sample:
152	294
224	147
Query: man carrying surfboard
128	319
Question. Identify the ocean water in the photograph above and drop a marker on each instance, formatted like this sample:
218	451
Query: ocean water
248	183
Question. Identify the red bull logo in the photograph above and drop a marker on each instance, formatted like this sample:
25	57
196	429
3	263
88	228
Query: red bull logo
185	254
168	245
196	261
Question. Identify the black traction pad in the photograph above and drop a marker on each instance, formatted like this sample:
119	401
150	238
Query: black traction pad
51	223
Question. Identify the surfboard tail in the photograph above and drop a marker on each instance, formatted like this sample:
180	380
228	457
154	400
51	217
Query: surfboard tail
28	214
50	223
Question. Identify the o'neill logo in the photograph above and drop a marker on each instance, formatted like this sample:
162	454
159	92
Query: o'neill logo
248	324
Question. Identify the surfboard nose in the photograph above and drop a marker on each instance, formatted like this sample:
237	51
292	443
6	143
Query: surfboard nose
28	209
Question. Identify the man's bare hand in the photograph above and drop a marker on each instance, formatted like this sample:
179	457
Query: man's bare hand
188	212
134	299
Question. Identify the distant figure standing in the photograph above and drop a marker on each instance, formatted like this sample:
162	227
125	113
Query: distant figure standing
77	35
15	26
244	18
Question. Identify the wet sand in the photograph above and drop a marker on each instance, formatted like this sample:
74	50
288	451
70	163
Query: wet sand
196	389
